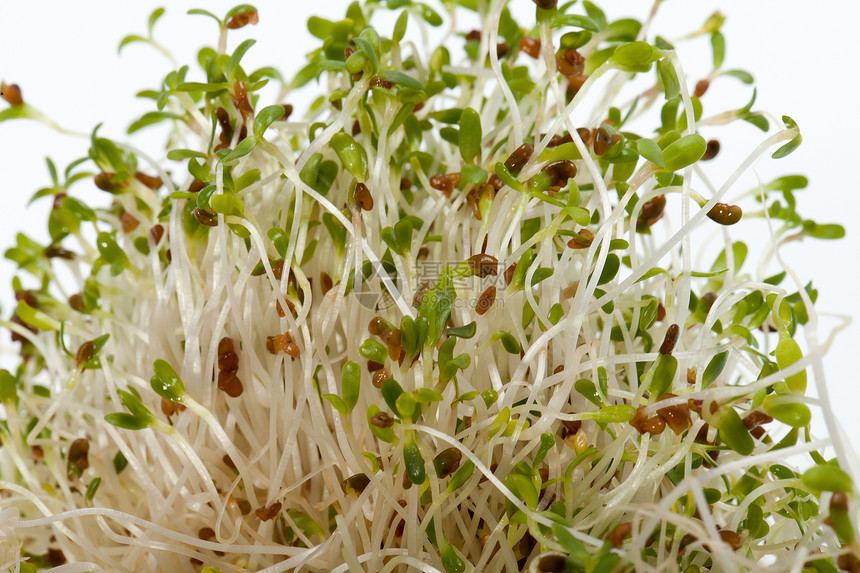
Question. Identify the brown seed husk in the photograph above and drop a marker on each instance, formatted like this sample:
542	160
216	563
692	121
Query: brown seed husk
486	300
267	513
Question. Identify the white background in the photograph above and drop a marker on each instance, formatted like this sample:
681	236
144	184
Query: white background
803	55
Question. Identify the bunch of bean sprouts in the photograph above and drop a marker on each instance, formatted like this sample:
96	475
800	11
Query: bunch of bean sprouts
452	319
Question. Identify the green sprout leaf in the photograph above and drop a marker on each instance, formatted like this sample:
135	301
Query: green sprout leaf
414	463
166	382
733	432
827	478
352	156
266	117
350	384
635	56
451	561
685	151
470	135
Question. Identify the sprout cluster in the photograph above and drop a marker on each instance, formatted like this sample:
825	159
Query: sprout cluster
451	319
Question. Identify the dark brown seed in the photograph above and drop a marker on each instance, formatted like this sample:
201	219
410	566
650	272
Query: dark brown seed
239	96
228	461
76	301
446	183
473	36
701	88
602	141
569	62
244	505
379	377
356	483
482	194
377	82
230	384
725	214
242	19
128	221
196	186
670	339
696	406
496	182
483	264
382	420
325	282
732	538
472	200
148	180
58	200
28	297
282	344
676	417
12	94
378	326
546	4
653	425
405	183
206	217
356	128
652	211
560	172
509	273
56	251
228	361
502	49
586	135
486	300
267	513
570	427
278	270
559	368
559	139
55	557
661	312
691	376
103	182
711	150
374	366
620	533
288	111
839	501
582	241
551	563
447	462
169	408
361	195
755	419
78	454
393	341
85	352
225	124
206	533
17	337
348	51
519	158
848	562
225	345
531	46
574	84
